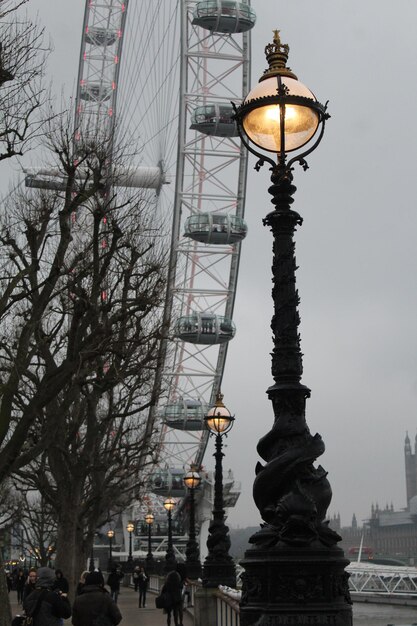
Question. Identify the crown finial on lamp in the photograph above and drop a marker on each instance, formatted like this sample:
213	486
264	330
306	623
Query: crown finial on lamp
277	56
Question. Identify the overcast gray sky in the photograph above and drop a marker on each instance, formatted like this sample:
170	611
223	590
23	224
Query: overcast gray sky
356	249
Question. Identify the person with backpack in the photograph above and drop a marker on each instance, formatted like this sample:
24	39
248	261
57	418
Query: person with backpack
45	606
94	606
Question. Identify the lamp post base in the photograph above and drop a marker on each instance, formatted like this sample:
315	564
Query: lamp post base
295	586
150	564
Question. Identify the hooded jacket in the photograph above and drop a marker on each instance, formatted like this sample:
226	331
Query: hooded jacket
92	603
51	610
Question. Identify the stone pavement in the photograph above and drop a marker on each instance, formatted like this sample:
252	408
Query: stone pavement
129	608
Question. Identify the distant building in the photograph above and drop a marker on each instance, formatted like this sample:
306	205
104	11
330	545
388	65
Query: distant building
387	534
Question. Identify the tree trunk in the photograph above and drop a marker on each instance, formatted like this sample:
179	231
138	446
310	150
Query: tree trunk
5	613
67	558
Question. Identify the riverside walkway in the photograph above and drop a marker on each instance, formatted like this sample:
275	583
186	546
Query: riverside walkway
132	614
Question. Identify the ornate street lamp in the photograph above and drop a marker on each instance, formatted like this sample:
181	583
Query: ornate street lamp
294	573
218	568
170	561
110	535
192	480
130	528
150	563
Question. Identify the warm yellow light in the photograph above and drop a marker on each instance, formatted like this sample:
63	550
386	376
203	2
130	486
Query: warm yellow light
149	518
192	479
169	504
110	534
263	126
130	527
263	123
218	423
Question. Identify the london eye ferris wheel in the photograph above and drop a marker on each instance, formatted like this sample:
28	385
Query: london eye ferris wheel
167	70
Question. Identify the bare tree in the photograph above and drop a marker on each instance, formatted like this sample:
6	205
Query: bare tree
82	280
22	92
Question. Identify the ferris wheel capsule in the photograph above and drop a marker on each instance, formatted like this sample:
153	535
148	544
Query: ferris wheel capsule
185	414
100	36
214	119
167	481
215	228
224	16
204	328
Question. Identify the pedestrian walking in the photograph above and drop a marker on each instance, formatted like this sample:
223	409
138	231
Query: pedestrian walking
143	586
47	607
135	577
94	606
172	591
30	583
113	582
20	585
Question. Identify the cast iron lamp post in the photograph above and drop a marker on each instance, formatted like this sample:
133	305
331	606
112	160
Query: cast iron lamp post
218	568
150	563
294	573
130	528
92	565
110	535
170	561
192	480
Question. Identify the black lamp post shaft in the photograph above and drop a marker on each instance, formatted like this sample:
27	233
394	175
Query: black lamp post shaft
170	561
192	552
149	556
218	568
295	548
110	552
91	566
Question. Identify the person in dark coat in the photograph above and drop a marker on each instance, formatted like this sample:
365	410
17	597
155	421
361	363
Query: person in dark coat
113	582
53	606
61	583
143	586
30	583
20	585
93	602
173	588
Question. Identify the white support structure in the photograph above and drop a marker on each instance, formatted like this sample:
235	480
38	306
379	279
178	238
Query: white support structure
368	578
210	179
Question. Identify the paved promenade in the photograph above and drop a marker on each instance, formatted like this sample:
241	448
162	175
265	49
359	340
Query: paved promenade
132	614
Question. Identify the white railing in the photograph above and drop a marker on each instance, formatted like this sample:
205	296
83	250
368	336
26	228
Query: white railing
227	607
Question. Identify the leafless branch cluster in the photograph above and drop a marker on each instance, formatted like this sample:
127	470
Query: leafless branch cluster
82	280
22	93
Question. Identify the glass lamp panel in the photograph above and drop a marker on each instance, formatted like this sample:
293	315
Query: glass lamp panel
218	423
169	504
262	125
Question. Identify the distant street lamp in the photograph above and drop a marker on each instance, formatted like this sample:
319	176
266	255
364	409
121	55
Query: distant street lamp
218	568
192	480
130	528
150	563
110	535
170	561
294	571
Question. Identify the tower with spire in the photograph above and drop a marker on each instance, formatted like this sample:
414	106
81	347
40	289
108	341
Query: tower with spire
410	468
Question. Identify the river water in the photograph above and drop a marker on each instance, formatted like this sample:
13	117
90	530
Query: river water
382	614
